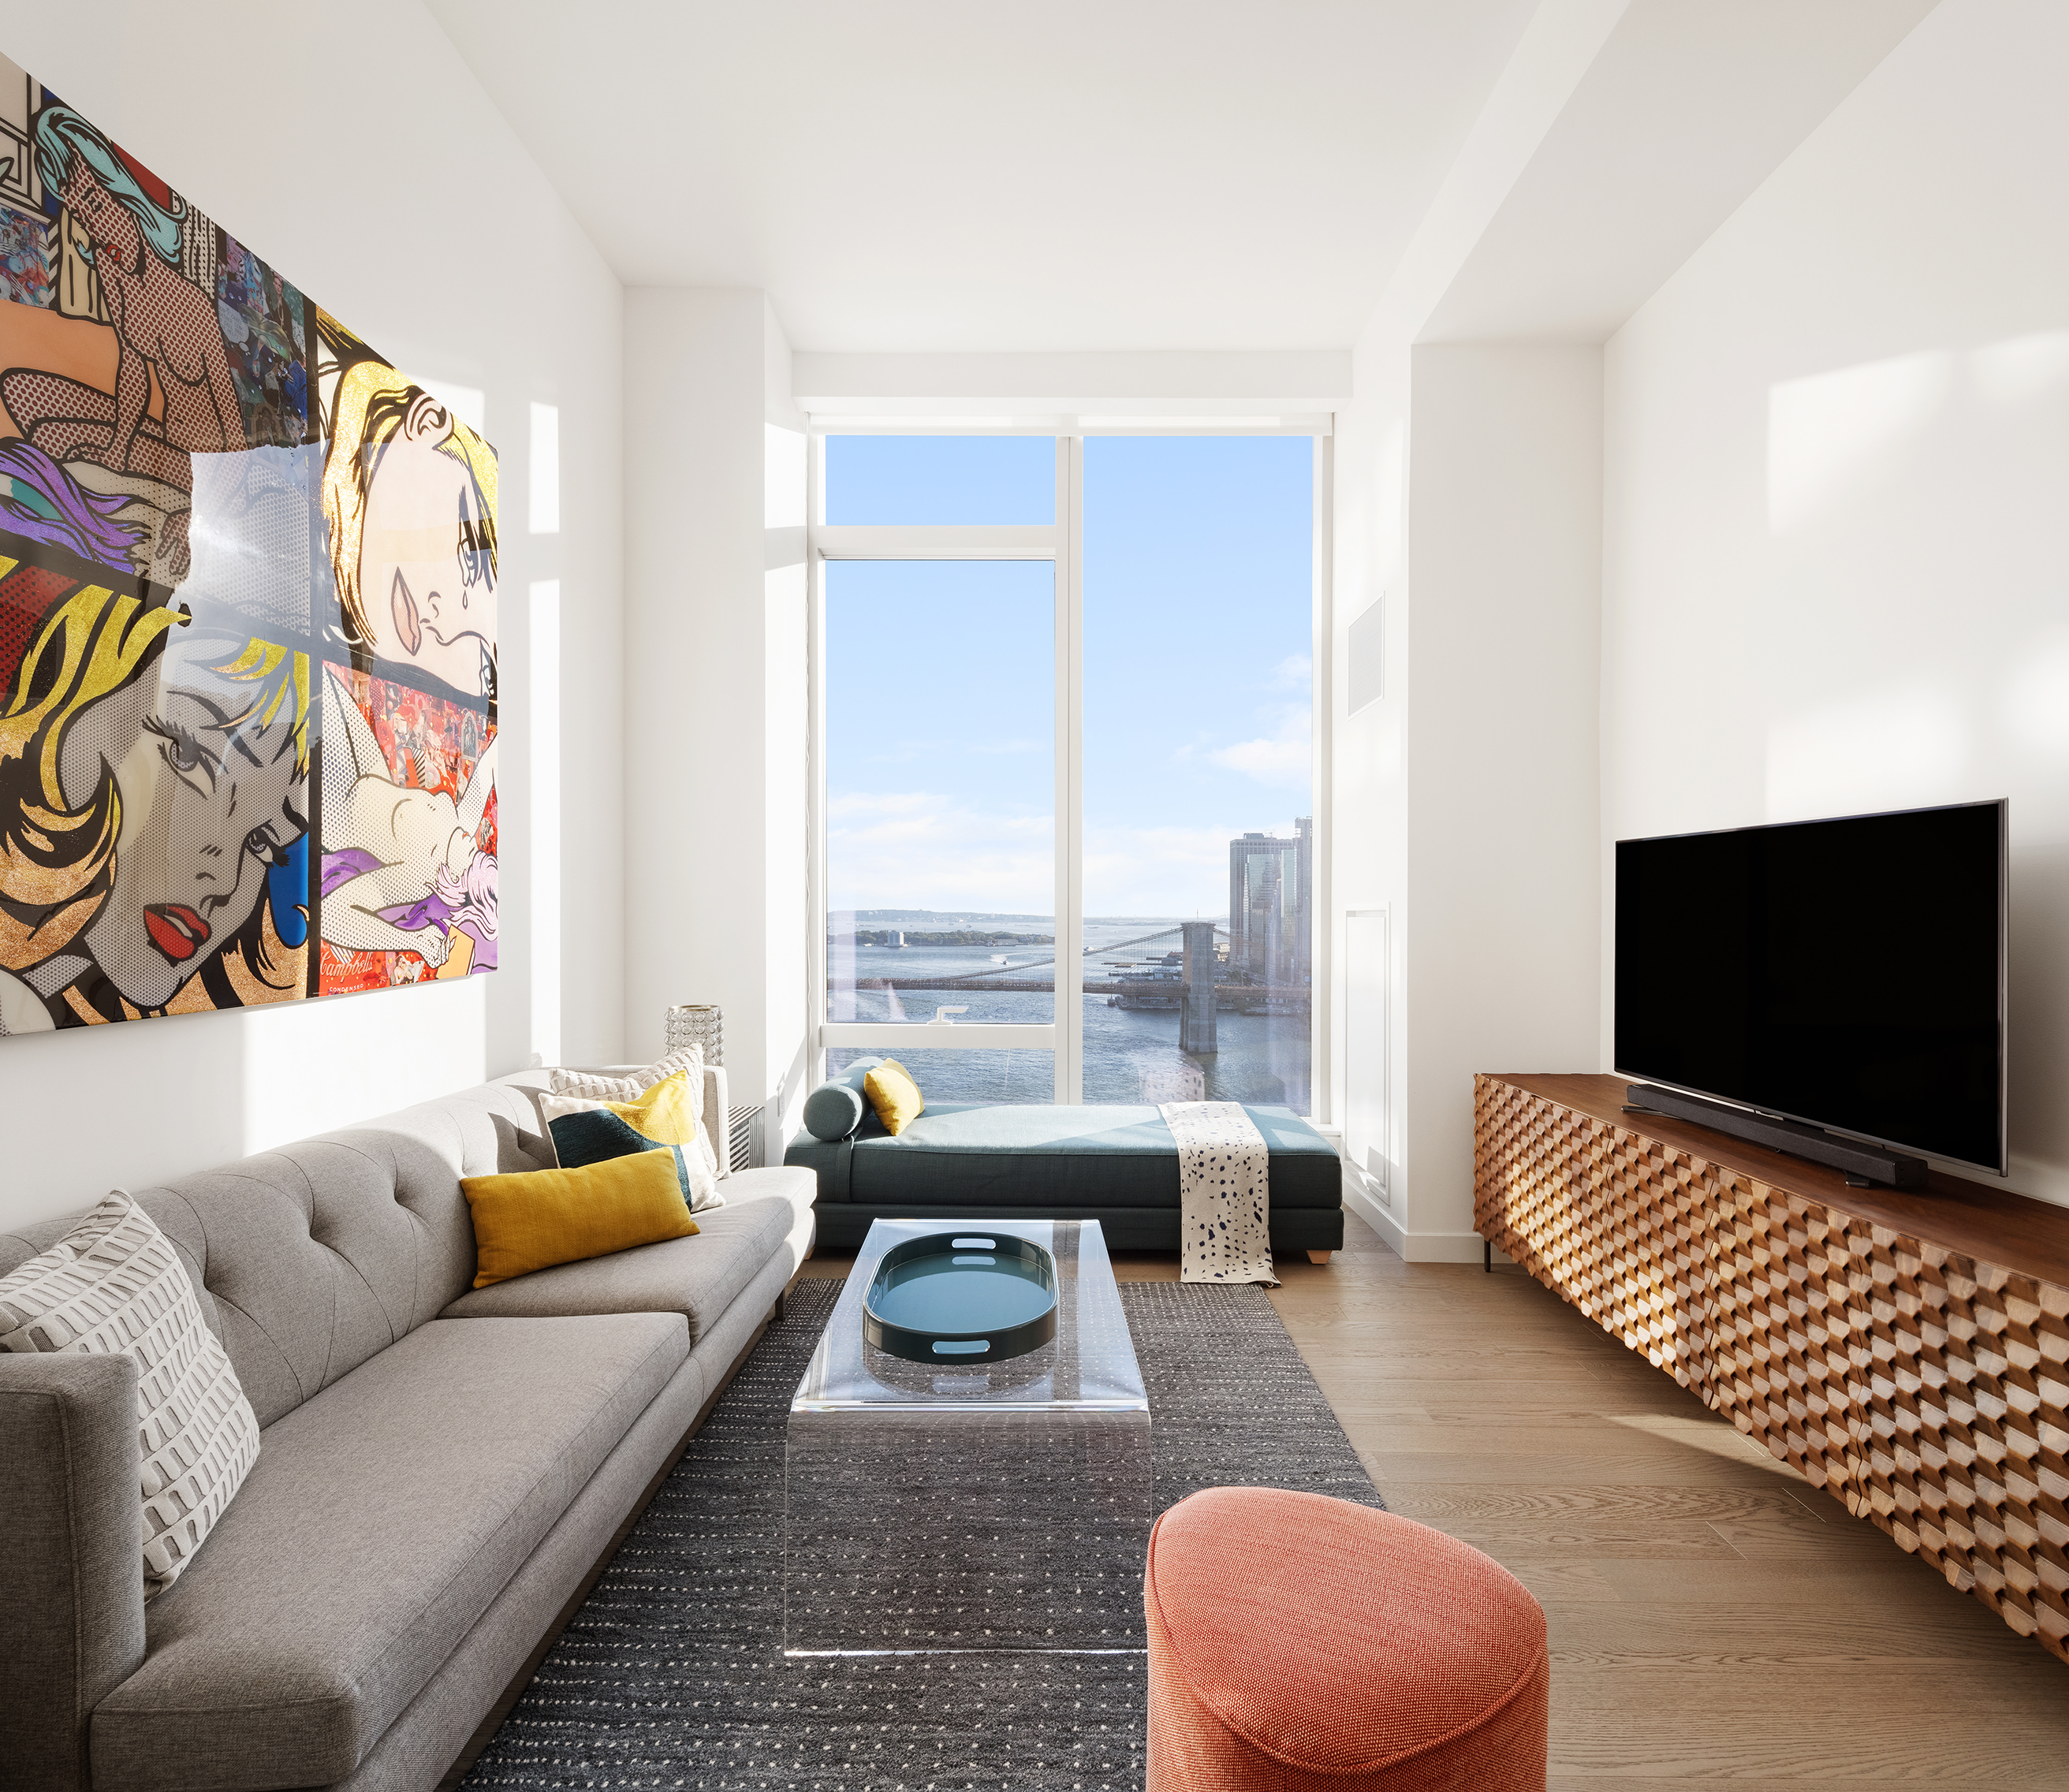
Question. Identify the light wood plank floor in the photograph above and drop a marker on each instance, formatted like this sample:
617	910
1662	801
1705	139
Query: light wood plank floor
1714	1620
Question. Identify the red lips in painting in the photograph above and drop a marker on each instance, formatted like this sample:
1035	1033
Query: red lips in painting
175	929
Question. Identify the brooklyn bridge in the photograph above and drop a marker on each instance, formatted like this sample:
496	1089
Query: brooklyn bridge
1162	987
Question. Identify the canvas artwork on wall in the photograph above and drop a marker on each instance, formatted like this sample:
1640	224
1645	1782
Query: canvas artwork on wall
248	617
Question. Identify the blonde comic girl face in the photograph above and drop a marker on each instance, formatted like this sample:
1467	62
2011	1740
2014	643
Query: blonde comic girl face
426	574
211	797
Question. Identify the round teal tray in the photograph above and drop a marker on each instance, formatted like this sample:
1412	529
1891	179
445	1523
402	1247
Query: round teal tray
962	1296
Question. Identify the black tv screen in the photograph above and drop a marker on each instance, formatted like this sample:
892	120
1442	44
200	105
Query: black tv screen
1847	973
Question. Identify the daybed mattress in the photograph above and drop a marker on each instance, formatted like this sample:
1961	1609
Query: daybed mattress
1054	1159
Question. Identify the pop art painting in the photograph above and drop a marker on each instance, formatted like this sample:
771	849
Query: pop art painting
247	618
408	880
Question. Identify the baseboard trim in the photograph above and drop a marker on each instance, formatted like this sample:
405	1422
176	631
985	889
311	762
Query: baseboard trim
1360	1201
1446	1248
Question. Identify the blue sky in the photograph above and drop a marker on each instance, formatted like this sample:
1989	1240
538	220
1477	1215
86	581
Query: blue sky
939	682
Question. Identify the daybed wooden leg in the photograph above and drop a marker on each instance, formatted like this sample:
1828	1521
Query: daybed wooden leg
1321	1257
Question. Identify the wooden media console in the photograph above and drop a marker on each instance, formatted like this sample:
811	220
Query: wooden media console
1905	1350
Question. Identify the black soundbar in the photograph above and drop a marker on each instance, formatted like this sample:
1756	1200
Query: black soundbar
1864	1163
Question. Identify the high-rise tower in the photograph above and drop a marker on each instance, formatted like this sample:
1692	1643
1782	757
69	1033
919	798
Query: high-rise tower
1271	895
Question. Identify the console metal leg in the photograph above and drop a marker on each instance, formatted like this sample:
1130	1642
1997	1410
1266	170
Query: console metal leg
1487	1255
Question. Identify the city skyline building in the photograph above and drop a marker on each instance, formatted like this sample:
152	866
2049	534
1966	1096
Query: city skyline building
1272	885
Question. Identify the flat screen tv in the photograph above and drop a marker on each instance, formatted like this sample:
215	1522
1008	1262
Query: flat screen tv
1849	973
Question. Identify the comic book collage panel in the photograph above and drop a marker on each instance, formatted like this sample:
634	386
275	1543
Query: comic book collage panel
248	617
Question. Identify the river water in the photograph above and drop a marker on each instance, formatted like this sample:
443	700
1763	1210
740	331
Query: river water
1130	1056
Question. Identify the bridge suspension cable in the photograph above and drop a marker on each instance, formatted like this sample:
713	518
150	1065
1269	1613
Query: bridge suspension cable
1036	964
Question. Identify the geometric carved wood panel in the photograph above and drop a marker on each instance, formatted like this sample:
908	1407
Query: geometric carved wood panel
1923	1389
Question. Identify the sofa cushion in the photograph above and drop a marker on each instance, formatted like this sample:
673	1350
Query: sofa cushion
976	1156
307	1260
697	1277
382	1517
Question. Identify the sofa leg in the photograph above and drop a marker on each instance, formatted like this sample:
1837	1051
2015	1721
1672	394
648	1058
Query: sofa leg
1321	1257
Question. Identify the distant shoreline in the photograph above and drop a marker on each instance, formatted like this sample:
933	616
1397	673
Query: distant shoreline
881	936
866	919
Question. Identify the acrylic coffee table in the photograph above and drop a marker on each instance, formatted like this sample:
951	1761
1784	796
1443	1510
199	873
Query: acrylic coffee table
962	1504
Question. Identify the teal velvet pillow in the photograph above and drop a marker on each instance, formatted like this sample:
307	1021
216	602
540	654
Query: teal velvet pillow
593	1138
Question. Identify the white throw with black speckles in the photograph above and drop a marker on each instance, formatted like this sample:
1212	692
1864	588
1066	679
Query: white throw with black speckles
1224	1193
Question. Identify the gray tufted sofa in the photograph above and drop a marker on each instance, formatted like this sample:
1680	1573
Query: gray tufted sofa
441	1469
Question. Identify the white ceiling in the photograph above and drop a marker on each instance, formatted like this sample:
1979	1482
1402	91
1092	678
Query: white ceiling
943	176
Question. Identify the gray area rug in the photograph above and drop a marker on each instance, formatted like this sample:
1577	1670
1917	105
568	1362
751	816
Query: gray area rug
673	1674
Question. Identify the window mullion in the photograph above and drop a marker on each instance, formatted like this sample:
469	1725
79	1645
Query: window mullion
938	541
1070	771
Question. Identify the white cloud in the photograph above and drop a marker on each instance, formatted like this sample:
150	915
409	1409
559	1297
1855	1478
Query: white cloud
1295	672
1285	758
1157	871
917	849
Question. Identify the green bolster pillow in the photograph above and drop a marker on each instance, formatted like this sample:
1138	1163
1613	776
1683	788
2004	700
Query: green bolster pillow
835	1108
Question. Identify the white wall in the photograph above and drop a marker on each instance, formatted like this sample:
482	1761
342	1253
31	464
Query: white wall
1369	792
1501	968
1837	537
715	680
1469	493
364	162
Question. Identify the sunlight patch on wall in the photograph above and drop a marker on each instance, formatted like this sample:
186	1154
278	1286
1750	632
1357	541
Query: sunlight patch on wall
1900	748
545	495
545	768
2036	696
1831	436
2023	368
1836	438
782	477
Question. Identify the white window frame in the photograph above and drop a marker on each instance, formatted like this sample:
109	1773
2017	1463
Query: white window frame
1061	544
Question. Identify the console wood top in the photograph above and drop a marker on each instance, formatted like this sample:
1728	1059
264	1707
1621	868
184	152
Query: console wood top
1978	1219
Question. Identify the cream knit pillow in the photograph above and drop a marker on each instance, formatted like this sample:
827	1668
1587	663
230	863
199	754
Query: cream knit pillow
114	1285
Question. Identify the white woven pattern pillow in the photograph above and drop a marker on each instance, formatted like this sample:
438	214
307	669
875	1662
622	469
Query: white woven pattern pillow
115	1284
631	1089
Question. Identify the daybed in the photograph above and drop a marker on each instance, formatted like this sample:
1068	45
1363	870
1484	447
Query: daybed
441	1469
1117	1164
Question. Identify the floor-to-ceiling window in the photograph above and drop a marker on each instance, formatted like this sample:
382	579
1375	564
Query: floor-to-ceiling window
1067	845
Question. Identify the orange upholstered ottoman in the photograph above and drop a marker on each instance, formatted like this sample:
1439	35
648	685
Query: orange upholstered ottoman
1297	1642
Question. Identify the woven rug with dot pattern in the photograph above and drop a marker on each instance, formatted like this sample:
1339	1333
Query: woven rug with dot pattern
673	1674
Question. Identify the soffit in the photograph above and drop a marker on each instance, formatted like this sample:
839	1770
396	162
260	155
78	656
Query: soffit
1690	105
929	175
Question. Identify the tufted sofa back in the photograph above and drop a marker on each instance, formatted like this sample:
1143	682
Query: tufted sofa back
310	1258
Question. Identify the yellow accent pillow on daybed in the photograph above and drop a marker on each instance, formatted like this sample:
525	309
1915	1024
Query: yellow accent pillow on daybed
893	1095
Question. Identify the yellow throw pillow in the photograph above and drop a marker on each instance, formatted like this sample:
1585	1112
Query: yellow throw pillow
665	1113
893	1095
545	1217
